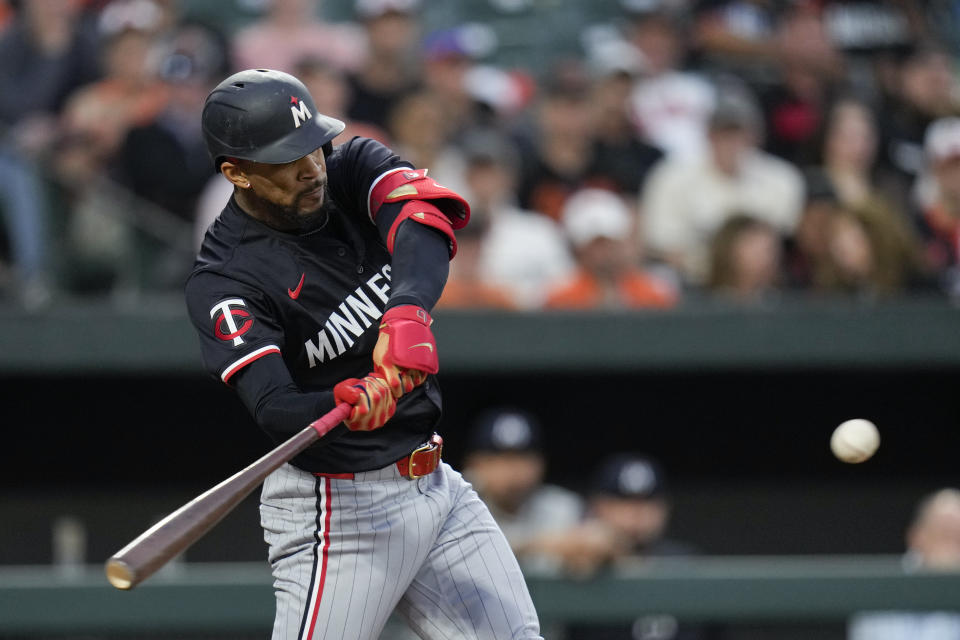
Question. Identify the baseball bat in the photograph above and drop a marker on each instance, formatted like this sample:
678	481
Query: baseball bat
157	545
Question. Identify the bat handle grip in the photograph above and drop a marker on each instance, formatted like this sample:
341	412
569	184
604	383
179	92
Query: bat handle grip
328	421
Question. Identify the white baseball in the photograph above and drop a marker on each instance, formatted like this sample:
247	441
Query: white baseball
855	440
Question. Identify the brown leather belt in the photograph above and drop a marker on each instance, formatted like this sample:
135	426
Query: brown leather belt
423	461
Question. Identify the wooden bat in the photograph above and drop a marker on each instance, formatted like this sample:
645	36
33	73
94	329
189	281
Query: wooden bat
157	545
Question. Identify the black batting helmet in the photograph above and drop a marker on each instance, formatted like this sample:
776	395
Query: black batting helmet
264	116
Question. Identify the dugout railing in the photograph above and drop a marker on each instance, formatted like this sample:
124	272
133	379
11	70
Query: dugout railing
45	601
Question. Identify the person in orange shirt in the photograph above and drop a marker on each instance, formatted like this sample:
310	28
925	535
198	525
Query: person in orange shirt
465	287
599	227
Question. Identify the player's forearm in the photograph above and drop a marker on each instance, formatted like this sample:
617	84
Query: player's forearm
274	400
421	262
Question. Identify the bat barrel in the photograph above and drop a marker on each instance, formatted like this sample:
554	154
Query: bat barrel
120	574
166	539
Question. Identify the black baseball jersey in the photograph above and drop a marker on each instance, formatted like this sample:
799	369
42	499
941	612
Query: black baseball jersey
315	300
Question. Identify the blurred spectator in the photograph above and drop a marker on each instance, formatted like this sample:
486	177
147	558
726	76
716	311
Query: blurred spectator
933	540
745	260
933	544
292	31
6	14
858	27
154	16
511	255
499	96
601	129
809	70
629	495
391	68
873	37
628	499
331	93
506	467
851	261
620	157
465	288
25	220
211	201
48	49
809	248
99	114
599	226
925	88
671	106
165	161
420	135
849	152
449	58
556	162
686	201
837	250
939	202
862	257
97	243
736	37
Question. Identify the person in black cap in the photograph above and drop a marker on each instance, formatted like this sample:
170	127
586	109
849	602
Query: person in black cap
542	522
628	497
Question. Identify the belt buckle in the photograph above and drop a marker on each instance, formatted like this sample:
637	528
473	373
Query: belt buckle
434	444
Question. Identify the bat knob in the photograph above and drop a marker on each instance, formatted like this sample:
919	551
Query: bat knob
119	574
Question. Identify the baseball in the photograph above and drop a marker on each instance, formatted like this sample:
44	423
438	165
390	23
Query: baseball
855	440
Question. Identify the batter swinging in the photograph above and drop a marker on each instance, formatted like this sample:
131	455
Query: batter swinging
313	287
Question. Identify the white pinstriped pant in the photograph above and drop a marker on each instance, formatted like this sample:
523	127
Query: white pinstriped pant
347	552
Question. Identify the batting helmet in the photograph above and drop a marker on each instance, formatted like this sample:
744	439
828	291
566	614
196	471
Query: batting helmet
264	116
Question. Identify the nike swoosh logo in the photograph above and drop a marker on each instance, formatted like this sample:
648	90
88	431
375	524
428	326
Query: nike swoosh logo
295	293
421	344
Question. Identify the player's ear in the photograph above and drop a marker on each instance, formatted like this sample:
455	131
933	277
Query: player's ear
232	172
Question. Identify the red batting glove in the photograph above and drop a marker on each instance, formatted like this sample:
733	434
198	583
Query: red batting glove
406	350
373	403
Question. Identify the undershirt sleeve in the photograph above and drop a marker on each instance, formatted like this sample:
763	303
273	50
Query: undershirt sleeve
421	260
276	403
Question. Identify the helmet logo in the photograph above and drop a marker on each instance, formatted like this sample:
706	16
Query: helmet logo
300	112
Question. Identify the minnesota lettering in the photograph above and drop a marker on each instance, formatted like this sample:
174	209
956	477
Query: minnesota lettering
356	313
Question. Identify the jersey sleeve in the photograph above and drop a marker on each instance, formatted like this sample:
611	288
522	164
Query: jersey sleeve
235	322
355	167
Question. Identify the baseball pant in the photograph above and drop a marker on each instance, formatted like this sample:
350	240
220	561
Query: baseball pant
347	551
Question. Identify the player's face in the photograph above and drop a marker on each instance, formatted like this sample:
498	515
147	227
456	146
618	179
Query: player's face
291	196
639	521
506	478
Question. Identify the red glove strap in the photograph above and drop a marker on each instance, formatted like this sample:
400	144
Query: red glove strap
412	345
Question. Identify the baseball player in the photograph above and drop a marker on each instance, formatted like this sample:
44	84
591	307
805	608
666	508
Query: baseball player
314	286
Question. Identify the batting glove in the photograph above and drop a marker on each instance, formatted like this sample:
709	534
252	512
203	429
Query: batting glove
373	403
406	350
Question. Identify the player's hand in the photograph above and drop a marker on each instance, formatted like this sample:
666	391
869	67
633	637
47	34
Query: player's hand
372	400
410	379
406	350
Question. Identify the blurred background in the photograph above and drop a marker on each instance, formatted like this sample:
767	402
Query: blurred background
704	233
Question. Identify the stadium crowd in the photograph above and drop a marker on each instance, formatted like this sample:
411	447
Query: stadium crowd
744	150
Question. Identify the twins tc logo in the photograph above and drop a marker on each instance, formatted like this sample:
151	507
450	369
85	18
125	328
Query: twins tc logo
225	326
300	112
